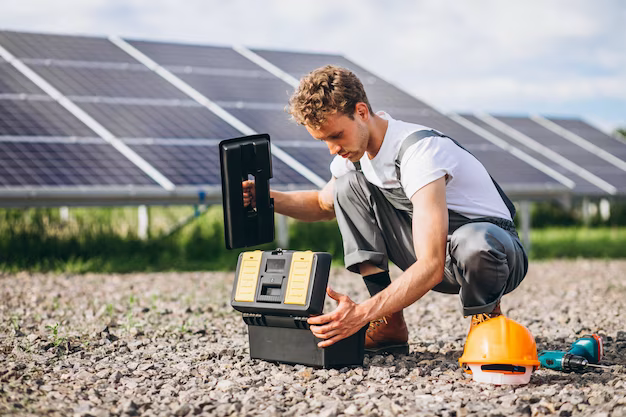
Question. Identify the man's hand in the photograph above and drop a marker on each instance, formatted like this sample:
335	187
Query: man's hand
344	321
249	193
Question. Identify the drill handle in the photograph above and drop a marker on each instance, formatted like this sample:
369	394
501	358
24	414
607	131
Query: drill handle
552	359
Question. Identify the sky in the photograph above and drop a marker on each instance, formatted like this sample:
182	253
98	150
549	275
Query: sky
520	57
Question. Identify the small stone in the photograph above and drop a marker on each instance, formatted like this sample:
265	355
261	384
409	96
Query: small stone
225	385
352	410
116	376
84	375
576	399
103	374
378	373
145	367
330	411
183	410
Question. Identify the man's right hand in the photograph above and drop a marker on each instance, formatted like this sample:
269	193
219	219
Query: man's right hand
249	196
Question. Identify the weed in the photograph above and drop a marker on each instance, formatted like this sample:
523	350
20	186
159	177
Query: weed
15	322
54	335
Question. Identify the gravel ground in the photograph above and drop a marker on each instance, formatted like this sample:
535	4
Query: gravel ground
170	344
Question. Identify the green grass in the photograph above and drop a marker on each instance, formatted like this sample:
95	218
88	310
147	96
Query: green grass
105	240
574	242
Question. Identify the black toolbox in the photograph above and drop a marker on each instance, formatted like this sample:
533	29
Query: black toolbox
275	290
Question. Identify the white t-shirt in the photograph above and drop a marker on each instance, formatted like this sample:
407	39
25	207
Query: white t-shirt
469	189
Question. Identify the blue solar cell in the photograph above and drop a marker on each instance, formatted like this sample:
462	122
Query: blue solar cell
442	123
66	164
567	149
26	117
299	63
143	121
582	186
593	135
274	122
194	55
200	165
315	158
134	83
62	47
381	94
13	82
237	88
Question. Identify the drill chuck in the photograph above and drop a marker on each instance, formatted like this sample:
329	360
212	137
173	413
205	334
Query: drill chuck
562	361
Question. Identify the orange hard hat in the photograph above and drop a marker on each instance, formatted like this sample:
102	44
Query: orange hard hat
500	341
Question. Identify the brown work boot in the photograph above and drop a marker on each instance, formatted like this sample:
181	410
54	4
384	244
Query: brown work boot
387	335
479	318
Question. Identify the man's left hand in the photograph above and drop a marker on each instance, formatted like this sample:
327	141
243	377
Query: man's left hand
344	321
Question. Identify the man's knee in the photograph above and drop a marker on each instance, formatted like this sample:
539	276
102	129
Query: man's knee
478	246
349	186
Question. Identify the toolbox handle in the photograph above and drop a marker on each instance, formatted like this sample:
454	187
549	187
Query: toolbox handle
240	158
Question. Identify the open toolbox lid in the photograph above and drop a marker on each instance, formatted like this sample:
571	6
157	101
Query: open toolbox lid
241	158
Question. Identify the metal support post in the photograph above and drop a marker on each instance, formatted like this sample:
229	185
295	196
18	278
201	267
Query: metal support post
525	220
64	214
144	222
282	231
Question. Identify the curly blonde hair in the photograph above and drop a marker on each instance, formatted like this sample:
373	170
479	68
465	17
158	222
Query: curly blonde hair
325	91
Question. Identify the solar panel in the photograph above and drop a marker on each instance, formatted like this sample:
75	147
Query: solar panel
246	89
134	83
172	54
298	64
444	124
274	122
133	102
27	117
582	186
380	93
199	164
13	82
593	135
144	121
62	47
315	156
66	164
567	149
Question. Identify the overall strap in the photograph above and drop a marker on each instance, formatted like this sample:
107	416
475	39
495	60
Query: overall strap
414	137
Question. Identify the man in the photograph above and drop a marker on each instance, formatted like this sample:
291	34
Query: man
405	193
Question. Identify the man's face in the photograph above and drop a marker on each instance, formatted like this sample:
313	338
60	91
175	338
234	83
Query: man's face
344	136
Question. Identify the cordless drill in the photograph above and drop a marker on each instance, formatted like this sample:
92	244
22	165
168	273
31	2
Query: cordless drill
585	352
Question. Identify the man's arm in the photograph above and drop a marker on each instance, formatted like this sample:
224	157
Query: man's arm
308	206
430	230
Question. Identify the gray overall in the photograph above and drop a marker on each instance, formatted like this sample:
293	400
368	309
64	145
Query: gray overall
484	257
